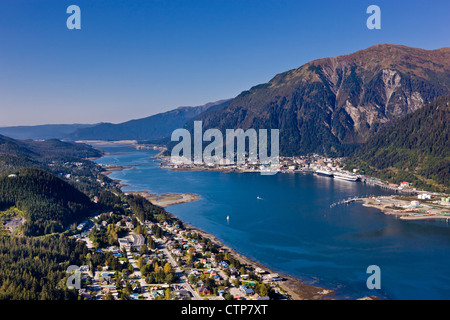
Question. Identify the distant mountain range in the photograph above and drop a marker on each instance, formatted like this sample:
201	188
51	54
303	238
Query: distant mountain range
330	105
42	132
16	154
377	106
154	127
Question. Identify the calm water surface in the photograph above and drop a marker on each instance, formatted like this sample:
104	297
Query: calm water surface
293	230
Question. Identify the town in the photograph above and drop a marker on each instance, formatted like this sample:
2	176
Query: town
164	261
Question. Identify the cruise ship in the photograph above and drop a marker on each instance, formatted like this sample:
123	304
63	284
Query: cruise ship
345	176
324	172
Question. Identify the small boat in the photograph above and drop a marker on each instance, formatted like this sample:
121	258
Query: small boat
228	218
259	198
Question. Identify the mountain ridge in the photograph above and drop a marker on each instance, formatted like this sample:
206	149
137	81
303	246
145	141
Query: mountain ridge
154	127
329	105
415	148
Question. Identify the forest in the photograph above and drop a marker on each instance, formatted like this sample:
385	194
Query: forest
49	204
415	148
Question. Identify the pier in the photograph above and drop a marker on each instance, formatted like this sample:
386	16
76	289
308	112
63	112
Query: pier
346	201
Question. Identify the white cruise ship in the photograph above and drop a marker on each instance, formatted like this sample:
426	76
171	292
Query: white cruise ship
345	176
327	173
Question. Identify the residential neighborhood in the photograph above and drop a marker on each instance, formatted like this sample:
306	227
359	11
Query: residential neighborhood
164	261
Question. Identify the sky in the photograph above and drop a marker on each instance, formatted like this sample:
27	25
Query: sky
134	58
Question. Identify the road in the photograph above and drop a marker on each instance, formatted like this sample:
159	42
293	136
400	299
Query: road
181	276
137	273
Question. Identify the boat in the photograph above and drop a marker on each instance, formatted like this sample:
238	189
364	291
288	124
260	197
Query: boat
259	198
345	176
326	173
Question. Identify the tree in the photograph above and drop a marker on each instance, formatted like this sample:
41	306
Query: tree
192	279
167	268
263	290
108	296
210	283
140	262
167	294
228	297
144	249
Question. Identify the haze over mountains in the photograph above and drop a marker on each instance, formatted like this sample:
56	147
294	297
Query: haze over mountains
42	132
154	127
327	106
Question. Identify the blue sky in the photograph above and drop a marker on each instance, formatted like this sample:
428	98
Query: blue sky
135	58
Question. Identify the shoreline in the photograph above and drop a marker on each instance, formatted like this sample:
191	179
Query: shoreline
400	208
294	287
166	199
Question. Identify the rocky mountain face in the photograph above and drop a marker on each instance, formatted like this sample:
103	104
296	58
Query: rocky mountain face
415	148
331	104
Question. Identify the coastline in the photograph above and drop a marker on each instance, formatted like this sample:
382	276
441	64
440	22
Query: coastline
294	287
402	208
166	199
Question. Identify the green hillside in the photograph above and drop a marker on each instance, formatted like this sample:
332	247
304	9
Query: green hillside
15	154
415	148
49	204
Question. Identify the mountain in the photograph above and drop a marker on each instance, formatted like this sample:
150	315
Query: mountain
48	203
415	148
155	127
16	154
330	105
42	132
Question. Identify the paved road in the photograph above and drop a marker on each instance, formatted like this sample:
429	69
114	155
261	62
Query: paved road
137	273
183	279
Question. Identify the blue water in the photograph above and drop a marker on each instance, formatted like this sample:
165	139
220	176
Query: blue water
292	230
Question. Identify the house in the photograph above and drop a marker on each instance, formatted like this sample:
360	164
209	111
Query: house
272	277
134	296
405	184
132	241
204	291
158	293
233	270
83	293
258	297
245	290
183	294
84	268
260	271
